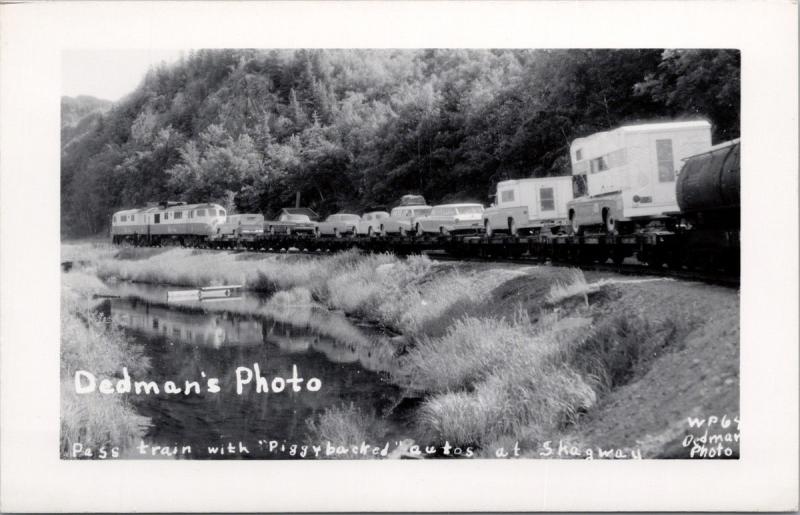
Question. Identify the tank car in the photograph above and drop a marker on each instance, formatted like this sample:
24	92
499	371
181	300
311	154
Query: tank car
706	230
708	188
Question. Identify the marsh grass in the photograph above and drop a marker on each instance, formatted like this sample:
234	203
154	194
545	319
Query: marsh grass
91	342
574	286
490	377
348	426
621	349
405	296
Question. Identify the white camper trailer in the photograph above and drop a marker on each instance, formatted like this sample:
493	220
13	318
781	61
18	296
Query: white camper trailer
627	175
529	205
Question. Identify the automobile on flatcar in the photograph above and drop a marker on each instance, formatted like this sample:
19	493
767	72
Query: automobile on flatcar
625	177
529	206
412	200
370	223
292	221
451	219
401	219
242	228
338	225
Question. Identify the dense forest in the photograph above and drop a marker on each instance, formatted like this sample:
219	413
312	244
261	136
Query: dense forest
354	129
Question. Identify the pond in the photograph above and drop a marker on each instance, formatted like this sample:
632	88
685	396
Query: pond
205	339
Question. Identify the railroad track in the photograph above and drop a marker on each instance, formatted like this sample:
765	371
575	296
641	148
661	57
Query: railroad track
636	269
503	251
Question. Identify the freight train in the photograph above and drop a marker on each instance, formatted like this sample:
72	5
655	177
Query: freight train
659	194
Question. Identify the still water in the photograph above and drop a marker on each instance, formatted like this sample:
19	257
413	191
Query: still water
197	340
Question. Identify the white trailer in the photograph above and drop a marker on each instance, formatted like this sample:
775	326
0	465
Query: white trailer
627	175
529	205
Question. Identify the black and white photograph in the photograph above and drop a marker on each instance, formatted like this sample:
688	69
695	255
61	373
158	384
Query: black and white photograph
402	254
399	256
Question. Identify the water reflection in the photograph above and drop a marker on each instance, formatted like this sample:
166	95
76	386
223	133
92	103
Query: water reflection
194	341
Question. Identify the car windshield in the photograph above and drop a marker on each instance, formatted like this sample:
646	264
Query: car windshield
470	210
423	211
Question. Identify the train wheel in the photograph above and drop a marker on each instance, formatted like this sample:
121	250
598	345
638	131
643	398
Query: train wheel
512	227
574	226
609	221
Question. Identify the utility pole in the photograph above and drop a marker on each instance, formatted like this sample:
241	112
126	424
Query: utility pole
297	199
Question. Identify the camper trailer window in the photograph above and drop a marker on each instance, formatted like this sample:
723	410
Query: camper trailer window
599	164
507	196
178	215
579	155
666	166
546	199
579	188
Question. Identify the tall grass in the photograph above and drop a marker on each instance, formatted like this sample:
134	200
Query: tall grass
348	426
487	378
407	296
92	343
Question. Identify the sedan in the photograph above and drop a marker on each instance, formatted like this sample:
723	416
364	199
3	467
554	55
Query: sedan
450	219
291	224
338	225
370	223
401	219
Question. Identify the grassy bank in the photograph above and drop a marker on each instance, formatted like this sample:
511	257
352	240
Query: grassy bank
90	342
498	355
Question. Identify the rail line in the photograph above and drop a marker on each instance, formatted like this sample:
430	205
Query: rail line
666	254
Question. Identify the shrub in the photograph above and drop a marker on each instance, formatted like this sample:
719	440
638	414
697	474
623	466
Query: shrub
91	342
346	426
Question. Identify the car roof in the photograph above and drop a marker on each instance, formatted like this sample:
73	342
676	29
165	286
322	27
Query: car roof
300	211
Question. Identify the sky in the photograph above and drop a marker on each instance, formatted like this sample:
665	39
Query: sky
109	74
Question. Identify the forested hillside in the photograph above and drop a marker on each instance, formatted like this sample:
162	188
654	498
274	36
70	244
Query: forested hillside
358	128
